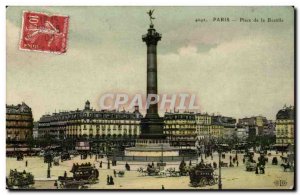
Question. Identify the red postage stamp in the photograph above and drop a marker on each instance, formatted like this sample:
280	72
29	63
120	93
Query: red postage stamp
41	32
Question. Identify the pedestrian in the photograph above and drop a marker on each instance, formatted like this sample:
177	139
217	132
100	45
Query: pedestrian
115	173
65	174
111	182
215	165
162	187
100	165
108	164
26	163
256	170
244	160
237	163
190	163
107	179
55	184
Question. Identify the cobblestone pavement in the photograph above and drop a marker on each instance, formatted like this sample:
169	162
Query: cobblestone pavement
232	177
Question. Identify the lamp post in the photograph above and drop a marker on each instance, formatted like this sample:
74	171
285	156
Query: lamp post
220	153
220	181
48	171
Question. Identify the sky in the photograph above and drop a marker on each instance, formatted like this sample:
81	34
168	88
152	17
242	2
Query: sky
234	68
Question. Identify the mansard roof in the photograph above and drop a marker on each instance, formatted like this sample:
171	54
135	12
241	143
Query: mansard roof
286	113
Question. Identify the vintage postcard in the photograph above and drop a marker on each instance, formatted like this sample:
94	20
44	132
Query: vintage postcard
150	98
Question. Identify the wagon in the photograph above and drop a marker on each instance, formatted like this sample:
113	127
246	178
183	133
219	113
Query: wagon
65	156
22	180
223	164
85	172
48	157
250	166
121	173
200	177
56	161
20	157
71	184
274	161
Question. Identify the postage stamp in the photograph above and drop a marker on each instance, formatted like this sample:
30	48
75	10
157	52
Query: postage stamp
42	32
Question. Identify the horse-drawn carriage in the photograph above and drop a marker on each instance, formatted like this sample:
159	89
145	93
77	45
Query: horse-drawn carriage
70	184
85	172
202	176
223	164
183	169
56	161
288	162
65	156
21	180
274	161
250	166
20	157
152	170
48	157
82	174
121	173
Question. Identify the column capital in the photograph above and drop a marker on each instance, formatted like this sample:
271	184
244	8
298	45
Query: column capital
152	37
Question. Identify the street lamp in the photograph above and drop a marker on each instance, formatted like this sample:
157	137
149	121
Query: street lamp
48	171
220	153
220	182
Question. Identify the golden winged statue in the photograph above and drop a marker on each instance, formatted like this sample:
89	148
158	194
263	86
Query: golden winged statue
150	13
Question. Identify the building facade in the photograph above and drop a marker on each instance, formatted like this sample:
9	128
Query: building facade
180	129
285	126
19	122
226	126
90	123
203	125
210	127
35	132
259	124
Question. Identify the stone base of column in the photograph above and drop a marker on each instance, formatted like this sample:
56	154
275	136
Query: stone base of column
152	127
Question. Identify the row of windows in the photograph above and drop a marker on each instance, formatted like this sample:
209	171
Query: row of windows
98	132
284	141
91	115
179	126
178	132
94	121
102	135
104	127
